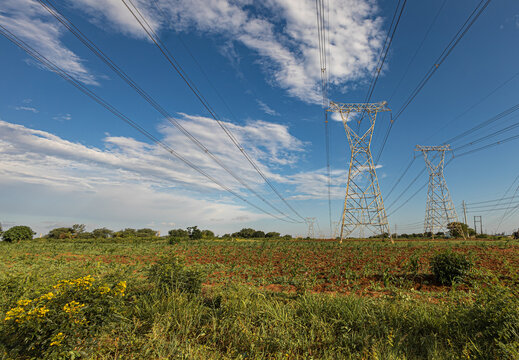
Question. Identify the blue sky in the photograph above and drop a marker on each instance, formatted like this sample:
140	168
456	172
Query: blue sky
66	160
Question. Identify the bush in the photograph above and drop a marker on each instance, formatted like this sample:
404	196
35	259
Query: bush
175	239
449	267
171	274
56	323
17	233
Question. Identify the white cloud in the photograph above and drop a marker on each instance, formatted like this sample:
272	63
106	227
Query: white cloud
28	20
27	108
115	14
63	117
267	109
281	32
129	177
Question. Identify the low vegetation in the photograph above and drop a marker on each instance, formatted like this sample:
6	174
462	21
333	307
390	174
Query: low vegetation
244	298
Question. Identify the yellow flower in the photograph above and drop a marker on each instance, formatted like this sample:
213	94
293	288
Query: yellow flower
47	296
120	288
15	313
57	339
23	302
73	307
104	289
38	312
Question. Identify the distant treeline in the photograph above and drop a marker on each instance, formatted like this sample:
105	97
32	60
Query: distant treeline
78	231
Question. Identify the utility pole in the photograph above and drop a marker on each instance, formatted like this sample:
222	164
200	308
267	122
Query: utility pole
465	212
465	216
440	210
478	220
363	204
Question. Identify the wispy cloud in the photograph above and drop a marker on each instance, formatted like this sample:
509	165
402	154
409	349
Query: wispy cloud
63	117
33	24
27	108
125	167
267	109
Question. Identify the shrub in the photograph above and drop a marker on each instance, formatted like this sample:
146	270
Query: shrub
171	274
175	239
61	320
449	267
17	233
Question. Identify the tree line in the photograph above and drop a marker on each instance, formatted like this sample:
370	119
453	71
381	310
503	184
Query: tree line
78	231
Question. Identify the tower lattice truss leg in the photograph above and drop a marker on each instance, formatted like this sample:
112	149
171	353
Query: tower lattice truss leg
363	205
440	210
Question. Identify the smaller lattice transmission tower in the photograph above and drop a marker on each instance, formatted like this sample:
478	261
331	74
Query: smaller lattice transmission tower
440	210
310	221
363	205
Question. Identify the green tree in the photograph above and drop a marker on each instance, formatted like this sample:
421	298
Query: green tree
258	234
17	233
207	234
178	233
272	234
456	229
287	237
61	233
126	233
102	233
146	232
194	233
245	233
78	229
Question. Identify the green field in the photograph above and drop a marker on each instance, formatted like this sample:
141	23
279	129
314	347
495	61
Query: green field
256	299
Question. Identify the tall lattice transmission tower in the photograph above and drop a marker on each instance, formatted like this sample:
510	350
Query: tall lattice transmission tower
363	204
310	221
440	210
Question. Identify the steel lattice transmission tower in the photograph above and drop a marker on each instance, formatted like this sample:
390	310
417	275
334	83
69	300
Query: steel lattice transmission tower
440	210
363	205
310	221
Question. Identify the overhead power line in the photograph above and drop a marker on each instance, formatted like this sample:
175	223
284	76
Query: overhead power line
468	152
322	42
439	61
483	124
69	78
411	60
178	68
126	78
489	201
479	101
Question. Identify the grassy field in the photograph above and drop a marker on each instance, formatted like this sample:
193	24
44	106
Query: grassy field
255	299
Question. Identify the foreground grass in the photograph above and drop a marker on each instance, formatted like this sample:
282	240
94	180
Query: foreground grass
232	321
